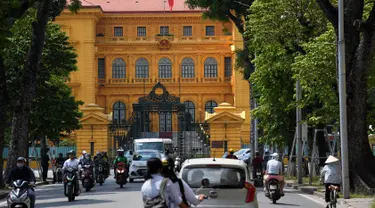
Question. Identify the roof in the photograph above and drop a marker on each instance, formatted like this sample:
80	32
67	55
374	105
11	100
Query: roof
217	161
135	6
153	140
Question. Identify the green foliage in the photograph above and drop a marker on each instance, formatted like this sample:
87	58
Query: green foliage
316	71
54	108
278	30
220	9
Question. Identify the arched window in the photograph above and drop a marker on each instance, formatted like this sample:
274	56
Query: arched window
210	105
141	68
190	108
210	67
119	113
187	68
118	68
165	68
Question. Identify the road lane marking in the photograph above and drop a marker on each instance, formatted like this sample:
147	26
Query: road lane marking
318	201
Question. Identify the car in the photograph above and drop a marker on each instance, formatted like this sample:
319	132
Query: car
129	156
228	182
138	166
244	155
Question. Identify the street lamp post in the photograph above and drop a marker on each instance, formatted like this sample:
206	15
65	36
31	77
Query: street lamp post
342	101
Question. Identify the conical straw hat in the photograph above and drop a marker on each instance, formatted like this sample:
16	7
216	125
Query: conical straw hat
331	159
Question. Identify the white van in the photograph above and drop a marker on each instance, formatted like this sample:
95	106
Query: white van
159	144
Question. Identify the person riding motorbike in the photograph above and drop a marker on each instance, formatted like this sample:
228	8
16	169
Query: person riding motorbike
231	155
257	163
22	172
59	162
72	162
274	170
331	175
80	161
99	160
120	158
87	161
185	192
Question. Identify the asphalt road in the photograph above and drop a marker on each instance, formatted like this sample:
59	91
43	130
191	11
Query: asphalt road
111	195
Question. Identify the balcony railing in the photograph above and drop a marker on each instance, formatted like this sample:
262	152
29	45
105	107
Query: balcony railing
102	81
118	80
102	40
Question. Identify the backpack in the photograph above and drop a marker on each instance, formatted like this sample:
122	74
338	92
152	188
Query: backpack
158	201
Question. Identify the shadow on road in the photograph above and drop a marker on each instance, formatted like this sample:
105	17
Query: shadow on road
74	203
290	205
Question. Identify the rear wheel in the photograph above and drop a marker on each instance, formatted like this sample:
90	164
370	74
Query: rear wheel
121	185
131	180
88	189
274	201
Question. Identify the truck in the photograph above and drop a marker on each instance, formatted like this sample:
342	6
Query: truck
159	144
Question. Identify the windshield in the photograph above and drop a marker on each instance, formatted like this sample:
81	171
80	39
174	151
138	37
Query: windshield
144	156
219	177
149	146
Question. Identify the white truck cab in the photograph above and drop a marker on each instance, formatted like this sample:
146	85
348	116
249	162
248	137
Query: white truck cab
159	144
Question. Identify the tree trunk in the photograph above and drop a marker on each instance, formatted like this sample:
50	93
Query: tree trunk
3	116
19	137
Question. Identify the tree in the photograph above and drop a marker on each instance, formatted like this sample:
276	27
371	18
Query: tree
359	45
277	31
54	109
46	10
236	12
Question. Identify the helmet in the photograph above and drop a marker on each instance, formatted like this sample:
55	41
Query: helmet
120	152
266	151
84	152
72	152
275	156
21	159
231	150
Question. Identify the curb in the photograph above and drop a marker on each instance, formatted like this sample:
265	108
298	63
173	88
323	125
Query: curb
313	191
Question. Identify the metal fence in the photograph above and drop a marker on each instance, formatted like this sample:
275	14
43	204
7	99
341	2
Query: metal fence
61	149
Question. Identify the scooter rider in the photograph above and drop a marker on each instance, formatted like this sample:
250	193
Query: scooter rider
274	170
99	160
59	162
88	161
257	163
231	155
22	172
120	158
72	162
80	161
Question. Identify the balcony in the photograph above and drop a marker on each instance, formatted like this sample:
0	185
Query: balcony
142	80
211	79
118	81
159	37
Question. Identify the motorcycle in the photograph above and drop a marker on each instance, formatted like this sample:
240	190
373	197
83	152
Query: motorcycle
87	177
274	190
100	176
70	184
121	174
19	197
258	180
58	174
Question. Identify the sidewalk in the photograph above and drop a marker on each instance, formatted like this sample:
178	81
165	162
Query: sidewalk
319	191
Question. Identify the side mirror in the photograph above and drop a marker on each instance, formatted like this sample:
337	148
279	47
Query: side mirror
205	182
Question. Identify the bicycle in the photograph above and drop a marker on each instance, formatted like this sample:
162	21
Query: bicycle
333	196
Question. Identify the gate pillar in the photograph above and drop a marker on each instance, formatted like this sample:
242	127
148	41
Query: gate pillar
93	136
226	129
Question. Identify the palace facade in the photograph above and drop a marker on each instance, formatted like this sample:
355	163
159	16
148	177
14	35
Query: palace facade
125	48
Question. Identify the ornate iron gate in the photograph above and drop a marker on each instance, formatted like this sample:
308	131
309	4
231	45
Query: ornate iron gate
189	139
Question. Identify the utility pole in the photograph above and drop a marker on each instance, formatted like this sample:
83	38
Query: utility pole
342	100
299	134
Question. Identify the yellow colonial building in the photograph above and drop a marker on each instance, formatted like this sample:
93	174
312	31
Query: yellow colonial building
133	51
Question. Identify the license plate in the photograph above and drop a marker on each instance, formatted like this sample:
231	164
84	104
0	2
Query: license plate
273	187
259	174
